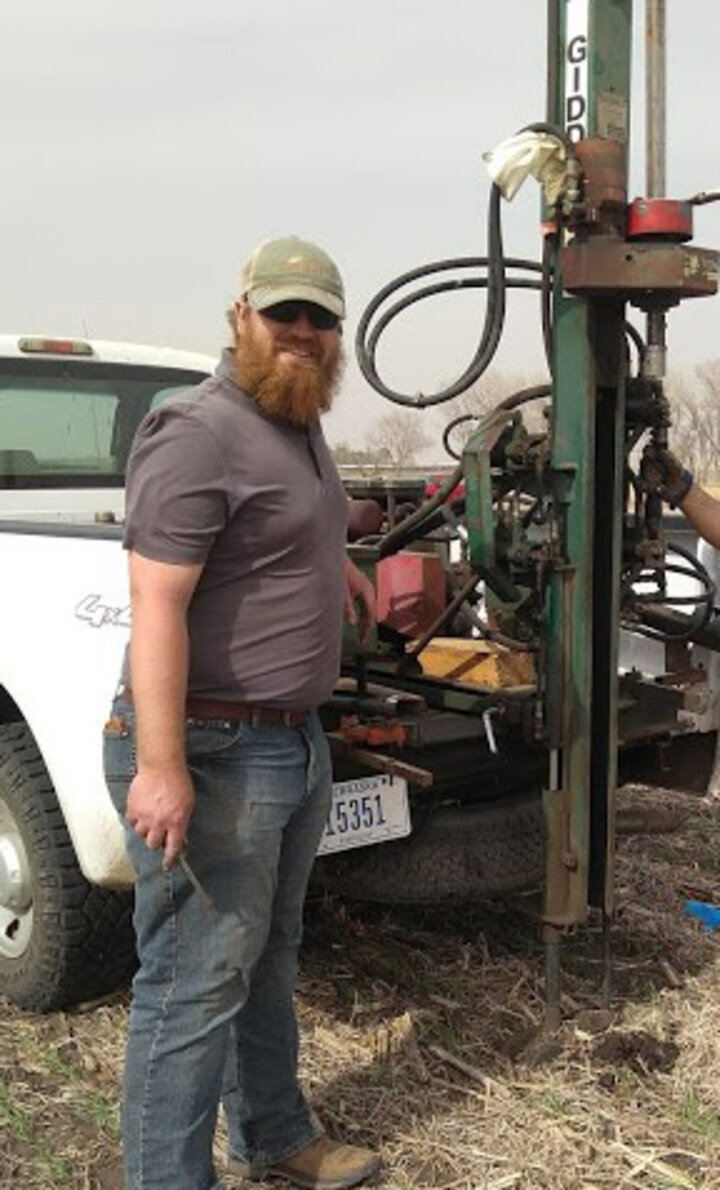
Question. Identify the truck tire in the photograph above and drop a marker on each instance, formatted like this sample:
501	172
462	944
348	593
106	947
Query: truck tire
457	853
468	853
62	939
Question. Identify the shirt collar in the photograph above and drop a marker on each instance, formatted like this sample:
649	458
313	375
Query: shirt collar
226	365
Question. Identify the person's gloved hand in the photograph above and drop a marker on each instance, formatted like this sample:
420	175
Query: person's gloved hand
661	470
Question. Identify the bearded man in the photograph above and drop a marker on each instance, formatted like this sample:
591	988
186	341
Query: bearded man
214	754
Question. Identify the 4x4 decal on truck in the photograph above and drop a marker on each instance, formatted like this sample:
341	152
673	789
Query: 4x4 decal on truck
97	614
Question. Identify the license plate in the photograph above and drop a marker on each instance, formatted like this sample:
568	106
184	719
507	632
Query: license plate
367	810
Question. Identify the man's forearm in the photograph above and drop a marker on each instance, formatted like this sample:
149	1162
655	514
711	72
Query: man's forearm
159	669
161	794
703	512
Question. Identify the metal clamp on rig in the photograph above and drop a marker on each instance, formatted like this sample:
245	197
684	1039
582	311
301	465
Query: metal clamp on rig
638	253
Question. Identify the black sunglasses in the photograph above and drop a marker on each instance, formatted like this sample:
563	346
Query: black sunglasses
288	312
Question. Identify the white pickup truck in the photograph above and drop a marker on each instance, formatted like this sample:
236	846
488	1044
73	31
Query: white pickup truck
68	413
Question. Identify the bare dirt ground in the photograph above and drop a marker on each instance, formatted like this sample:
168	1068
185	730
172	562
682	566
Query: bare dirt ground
416	1027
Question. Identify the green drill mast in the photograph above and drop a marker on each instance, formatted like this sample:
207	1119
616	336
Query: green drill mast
589	49
563	533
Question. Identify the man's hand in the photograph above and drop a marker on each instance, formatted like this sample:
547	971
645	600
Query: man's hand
159	808
358	586
661	471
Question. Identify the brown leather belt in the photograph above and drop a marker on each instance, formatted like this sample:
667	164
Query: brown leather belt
234	712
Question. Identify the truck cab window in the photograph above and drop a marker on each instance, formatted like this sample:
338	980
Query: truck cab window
71	423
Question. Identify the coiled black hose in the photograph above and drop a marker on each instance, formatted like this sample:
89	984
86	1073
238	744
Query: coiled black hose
704	603
367	339
497	282
535	393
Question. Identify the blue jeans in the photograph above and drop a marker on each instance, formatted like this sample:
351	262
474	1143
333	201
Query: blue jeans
213	1014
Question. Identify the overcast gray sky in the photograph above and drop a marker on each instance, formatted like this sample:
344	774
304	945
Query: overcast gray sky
149	144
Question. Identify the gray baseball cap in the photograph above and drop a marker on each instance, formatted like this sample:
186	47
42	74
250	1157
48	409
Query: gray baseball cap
291	269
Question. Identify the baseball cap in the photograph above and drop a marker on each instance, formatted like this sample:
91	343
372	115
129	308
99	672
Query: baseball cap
291	269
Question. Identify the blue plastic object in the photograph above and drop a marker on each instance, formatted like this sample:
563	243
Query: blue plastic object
705	912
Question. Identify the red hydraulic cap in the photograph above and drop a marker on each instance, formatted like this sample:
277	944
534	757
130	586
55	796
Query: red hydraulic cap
660	219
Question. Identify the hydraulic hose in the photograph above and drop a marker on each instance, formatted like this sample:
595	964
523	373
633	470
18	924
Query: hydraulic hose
497	282
408	528
514	401
367	340
416	524
546	289
649	605
635	337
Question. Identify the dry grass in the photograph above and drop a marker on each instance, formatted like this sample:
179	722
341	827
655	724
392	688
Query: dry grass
393	1002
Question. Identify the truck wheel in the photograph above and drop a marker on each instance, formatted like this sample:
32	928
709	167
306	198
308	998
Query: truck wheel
460	853
62	940
468	853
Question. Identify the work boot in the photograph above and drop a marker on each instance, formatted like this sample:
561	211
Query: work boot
324	1164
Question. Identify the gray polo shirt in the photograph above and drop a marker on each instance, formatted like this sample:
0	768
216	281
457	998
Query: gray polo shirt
257	500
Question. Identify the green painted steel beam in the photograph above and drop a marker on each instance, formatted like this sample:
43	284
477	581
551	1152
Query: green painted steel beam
589	83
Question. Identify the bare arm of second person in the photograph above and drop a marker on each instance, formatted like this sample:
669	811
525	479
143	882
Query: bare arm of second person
161	796
703	512
662	471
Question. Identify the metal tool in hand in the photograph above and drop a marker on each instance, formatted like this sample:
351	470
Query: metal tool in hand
192	876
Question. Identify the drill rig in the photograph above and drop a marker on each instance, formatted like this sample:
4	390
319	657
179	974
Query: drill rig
557	534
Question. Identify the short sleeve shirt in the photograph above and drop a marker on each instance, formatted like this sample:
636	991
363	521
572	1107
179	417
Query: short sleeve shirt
259	503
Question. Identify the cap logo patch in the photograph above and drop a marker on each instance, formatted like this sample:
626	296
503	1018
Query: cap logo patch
305	266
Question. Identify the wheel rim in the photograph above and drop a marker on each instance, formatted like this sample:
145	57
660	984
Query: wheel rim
16	907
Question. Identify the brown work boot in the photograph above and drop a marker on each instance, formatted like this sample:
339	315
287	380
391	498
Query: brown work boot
324	1164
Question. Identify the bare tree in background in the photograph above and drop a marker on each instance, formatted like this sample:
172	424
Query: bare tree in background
695	408
694	403
396	438
490	390
399	435
346	455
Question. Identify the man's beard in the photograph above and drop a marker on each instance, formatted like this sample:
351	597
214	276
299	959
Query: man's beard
299	389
